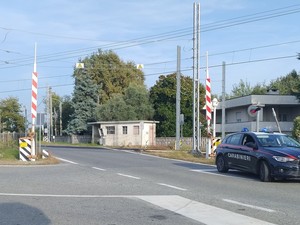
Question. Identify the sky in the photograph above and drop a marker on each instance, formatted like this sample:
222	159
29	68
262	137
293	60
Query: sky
258	40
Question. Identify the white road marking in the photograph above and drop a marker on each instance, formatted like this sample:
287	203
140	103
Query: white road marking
171	186
97	168
126	175
209	171
203	213
68	161
200	212
249	206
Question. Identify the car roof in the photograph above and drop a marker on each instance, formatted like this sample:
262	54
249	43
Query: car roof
257	133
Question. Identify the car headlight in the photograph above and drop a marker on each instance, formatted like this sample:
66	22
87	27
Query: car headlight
283	159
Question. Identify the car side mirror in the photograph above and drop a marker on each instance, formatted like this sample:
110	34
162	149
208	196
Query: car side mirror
251	145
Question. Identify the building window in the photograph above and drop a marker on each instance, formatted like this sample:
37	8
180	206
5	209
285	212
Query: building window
125	129
283	117
136	130
111	129
238	116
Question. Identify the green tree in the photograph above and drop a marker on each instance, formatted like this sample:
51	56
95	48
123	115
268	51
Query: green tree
259	89
133	105
296	128
244	88
111	74
137	96
163	96
11	117
67	111
84	103
287	85
115	109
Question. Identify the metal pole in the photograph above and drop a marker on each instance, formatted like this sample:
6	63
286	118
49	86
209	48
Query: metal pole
223	100
25	115
177	145
60	118
257	121
196	49
194	77
51	114
33	144
214	123
275	116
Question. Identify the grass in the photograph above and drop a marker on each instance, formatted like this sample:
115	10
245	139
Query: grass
183	154
9	155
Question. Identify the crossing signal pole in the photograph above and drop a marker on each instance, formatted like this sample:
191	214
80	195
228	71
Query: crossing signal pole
196	67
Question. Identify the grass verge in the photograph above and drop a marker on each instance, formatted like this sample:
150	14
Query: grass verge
10	156
185	155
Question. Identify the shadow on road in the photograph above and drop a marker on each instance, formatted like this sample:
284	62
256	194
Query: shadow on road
21	214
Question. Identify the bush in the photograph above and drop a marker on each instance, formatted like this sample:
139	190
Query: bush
296	128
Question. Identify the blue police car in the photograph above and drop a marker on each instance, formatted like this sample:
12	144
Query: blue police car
269	155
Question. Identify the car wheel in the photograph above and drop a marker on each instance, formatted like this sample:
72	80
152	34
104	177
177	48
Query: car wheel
264	172
221	164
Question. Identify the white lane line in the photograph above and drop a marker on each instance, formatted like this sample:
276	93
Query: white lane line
206	214
171	186
68	161
249	206
129	176
210	171
97	168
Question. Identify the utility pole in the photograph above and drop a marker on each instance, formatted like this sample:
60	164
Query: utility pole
60	118
196	50
51	114
178	87
223	100
25	120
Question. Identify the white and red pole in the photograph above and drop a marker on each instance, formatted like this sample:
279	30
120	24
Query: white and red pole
208	106
208	103
34	87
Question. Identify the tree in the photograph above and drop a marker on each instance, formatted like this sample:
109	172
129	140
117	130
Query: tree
111	74
67	111
137	96
296	128
84	103
11	119
259	89
163	96
287	85
115	109
242	89
133	105
103	76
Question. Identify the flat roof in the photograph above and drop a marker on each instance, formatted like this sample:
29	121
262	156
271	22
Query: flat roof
123	122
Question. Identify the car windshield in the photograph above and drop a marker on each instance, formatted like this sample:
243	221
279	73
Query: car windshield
277	140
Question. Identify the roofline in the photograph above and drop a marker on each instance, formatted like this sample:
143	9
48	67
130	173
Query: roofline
126	122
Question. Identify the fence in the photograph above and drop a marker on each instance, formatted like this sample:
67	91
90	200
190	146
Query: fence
7	137
75	139
186	141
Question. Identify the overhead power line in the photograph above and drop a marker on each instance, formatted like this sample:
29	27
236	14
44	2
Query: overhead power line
159	37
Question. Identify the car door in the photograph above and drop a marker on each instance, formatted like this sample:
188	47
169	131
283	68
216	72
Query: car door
231	148
246	154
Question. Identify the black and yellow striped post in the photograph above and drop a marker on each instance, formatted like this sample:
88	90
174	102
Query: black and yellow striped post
214	144
25	149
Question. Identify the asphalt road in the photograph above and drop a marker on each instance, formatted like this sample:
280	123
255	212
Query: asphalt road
117	187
